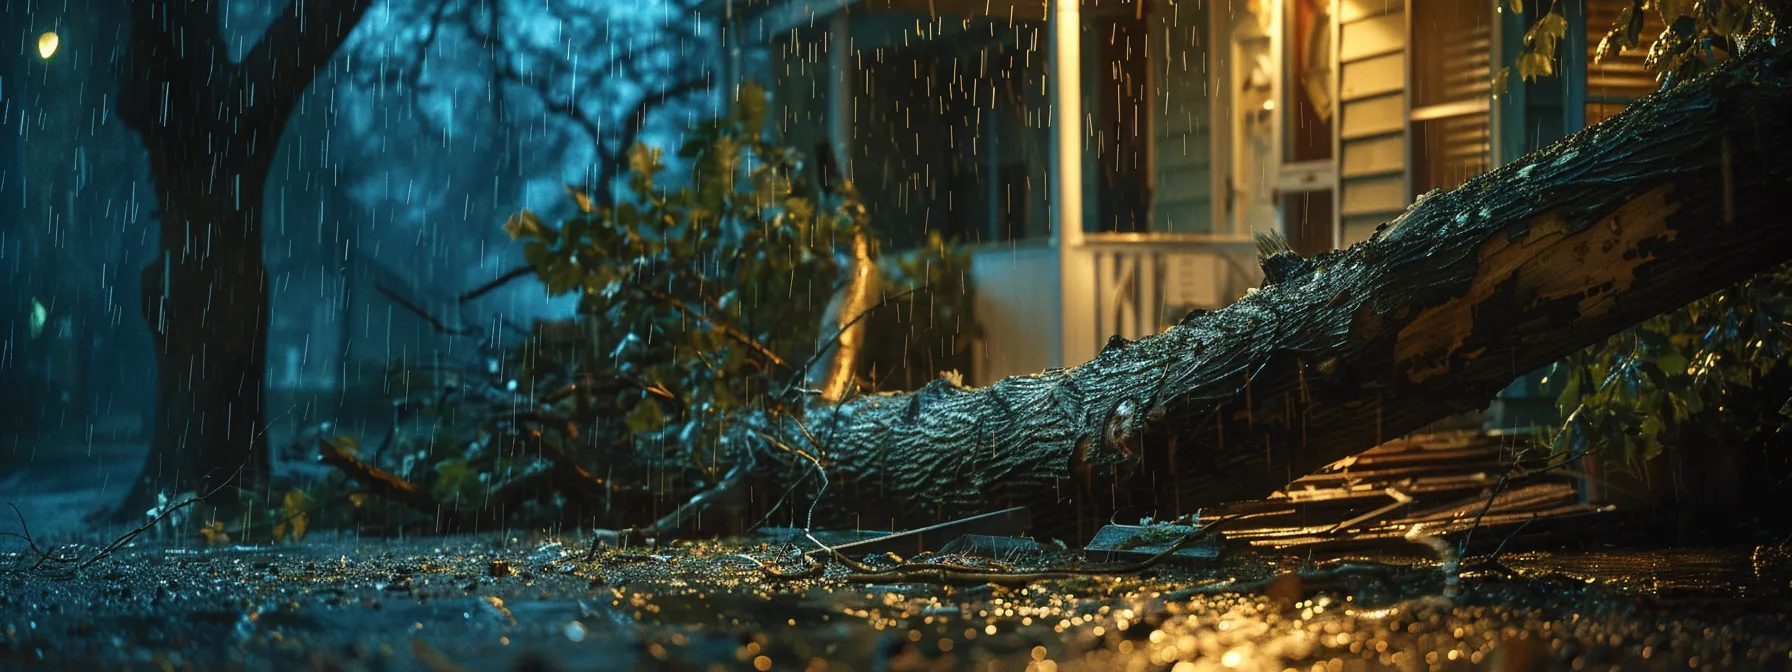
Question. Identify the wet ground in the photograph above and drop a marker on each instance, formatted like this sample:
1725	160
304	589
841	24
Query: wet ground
519	602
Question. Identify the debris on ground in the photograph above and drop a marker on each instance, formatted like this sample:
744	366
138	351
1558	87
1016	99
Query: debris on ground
337	602
1115	542
1447	482
1012	522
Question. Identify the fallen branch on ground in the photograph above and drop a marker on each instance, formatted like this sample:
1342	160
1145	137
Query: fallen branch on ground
385	484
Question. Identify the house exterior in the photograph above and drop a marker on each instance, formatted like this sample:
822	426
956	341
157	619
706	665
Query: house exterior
1115	206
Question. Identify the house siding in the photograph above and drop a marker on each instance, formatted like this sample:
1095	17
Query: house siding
1372	53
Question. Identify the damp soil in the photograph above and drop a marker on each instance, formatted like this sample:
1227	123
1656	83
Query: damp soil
535	603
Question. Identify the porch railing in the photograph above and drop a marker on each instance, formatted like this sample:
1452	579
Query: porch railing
1140	285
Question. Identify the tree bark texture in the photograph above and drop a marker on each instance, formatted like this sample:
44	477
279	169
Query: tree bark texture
1682	195
211	127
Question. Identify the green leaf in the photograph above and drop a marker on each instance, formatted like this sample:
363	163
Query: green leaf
1549	32
452	477
1569	399
1615	41
535	253
524	224
295	508
214	534
644	161
1533	65
750	107
645	417
582	199
604	281
628	216
1673	364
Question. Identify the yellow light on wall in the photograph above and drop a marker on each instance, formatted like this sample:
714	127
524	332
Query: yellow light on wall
46	45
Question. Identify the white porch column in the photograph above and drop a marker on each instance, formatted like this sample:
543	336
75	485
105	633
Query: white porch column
1076	280
841	78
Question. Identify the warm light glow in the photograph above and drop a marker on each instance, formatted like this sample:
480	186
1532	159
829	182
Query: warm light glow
46	44
1269	104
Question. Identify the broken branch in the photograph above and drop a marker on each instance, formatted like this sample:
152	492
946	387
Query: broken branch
382	482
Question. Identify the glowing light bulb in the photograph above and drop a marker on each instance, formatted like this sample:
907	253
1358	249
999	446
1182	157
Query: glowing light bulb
46	45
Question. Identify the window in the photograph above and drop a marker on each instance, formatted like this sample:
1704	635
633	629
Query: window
1619	79
1307	221
1251	102
1305	103
1307	114
1120	141
1451	83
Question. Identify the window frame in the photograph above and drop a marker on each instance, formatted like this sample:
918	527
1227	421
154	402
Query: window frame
1437	112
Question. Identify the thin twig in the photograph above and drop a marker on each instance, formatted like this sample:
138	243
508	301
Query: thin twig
30	542
819	470
728	330
1462	549
668	524
122	540
382	482
417	310
1502	547
508	277
164	513
943	573
797	375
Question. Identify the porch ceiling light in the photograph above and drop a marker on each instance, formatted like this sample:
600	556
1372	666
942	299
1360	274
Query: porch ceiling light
47	43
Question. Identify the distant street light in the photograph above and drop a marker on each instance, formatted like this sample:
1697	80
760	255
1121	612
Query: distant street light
39	316
46	44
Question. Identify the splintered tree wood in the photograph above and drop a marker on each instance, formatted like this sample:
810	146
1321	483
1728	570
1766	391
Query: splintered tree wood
1682	195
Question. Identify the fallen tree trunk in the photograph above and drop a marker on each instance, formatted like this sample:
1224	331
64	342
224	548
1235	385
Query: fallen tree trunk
1682	195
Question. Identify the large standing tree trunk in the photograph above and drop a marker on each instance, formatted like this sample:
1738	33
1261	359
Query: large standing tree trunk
211	128
1682	195
206	301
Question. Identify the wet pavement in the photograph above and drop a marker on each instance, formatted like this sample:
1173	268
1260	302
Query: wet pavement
521	602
